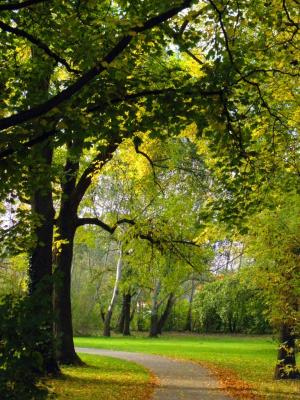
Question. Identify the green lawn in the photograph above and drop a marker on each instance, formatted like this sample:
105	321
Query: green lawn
103	378
251	359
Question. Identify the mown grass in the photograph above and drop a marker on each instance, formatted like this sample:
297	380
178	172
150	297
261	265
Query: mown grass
103	378
250	359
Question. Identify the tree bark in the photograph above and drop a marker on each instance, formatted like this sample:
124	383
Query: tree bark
64	329
120	326
107	327
40	264
165	314
154	312
67	223
66	228
127	316
286	360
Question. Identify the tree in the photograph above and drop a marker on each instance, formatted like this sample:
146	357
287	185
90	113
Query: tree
273	242
33	134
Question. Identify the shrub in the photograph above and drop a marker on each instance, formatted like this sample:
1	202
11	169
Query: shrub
21	341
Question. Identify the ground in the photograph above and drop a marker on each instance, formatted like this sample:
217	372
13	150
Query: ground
245	364
177	380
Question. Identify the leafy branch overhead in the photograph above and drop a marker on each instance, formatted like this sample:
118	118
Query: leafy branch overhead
86	77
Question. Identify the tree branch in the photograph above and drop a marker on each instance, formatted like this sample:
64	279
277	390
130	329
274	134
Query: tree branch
152	92
37	42
156	92
158	242
86	78
97	222
10	150
103	225
96	165
19	6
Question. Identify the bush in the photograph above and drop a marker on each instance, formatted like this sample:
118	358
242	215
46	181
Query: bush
21	341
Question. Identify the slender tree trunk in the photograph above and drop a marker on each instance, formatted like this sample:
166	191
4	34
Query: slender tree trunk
154	323
120	326
127	316
154	312
165	315
107	328
140	313
286	360
188	324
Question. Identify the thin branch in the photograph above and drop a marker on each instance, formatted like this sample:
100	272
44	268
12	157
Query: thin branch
19	6
153	92
10	150
96	165
230	54
37	42
142	153
296	25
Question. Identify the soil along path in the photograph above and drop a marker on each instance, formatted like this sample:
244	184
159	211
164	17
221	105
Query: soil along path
179	380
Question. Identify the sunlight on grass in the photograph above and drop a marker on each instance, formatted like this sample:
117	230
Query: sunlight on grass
103	378
251	359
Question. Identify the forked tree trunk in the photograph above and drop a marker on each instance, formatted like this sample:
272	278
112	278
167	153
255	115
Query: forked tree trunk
286	360
108	316
66	229
73	189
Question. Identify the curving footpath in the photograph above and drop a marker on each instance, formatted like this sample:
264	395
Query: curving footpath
179	380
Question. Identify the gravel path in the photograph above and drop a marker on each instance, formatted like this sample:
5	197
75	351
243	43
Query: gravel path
179	380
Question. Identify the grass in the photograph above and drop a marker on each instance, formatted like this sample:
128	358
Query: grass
103	378
244	364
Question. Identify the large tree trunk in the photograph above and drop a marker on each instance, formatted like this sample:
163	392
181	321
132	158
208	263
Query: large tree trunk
40	264
286	360
107	327
64	329
165	314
